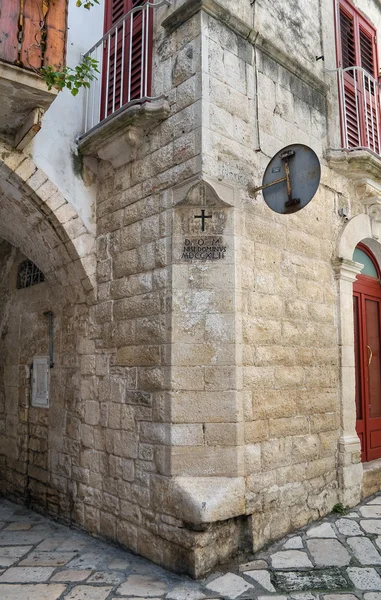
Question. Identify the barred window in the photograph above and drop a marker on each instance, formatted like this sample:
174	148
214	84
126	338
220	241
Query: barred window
28	275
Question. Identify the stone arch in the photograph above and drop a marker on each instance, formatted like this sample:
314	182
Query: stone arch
36	218
361	228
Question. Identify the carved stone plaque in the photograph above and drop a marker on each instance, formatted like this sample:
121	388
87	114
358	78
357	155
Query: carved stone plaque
205	248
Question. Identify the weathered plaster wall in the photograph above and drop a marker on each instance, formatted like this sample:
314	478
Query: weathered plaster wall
54	148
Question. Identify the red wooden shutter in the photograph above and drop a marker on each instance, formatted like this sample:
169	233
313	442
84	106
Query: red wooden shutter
348	52
357	47
120	88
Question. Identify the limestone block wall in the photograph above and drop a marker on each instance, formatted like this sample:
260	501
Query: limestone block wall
288	309
39	446
125	362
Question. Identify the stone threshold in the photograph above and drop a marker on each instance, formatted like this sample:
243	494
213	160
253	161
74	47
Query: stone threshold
371	482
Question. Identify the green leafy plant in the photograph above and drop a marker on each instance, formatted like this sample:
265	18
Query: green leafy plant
72	79
87	4
340	509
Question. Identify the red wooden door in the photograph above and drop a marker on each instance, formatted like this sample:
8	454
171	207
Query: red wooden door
127	54
367	333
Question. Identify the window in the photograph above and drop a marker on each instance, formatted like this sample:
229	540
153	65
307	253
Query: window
357	56
28	275
127	53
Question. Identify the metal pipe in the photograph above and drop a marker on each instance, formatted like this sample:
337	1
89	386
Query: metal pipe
51	333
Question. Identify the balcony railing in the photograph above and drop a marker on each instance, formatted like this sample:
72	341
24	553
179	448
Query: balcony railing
124	55
359	96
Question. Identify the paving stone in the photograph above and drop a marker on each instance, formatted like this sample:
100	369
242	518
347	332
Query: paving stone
371	512
371	526
10	555
142	586
274	597
328	579
71	575
372	596
252	565
119	563
328	553
376	500
88	560
263	578
340	597
352	515
72	544
18	527
47	559
364	579
290	559
347	527
303	596
88	592
229	585
185	592
293	543
107	577
50	544
24	538
31	592
26	575
364	551
321	531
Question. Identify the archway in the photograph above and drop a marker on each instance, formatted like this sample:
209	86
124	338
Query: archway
367	346
361	229
39	225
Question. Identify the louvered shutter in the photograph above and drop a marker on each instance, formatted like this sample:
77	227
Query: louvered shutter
357	48
120	87
348	52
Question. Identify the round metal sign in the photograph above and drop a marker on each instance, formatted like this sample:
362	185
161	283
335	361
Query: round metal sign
291	179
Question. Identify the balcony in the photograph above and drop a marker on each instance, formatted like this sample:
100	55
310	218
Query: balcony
32	35
119	102
360	118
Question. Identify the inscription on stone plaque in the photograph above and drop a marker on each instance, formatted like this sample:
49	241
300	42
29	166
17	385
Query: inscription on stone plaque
205	248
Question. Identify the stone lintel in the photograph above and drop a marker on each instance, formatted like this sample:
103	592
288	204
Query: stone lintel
199	500
117	138
362	166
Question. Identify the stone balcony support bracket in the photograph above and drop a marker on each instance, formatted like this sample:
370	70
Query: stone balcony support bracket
118	138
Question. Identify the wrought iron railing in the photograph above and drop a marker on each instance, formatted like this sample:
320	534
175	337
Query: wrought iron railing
124	56
360	102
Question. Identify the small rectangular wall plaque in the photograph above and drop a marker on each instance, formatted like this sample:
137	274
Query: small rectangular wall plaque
40	381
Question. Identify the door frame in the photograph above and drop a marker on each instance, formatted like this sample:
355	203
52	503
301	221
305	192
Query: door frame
365	288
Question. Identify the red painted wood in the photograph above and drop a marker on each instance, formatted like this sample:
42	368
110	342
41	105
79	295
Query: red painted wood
356	46
367	323
113	52
9	16
56	27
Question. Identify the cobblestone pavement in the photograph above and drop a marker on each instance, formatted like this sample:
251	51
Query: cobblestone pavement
338	558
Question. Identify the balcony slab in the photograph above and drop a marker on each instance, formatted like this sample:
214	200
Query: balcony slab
118	137
21	92
356	164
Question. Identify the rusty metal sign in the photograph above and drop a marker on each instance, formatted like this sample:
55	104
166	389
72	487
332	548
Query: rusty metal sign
291	179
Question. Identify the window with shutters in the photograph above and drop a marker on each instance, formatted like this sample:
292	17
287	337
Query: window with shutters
127	54
359	88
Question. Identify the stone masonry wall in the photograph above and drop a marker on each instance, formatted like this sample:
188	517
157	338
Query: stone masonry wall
289	321
35	442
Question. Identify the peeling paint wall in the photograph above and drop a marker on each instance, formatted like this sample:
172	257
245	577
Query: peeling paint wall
54	146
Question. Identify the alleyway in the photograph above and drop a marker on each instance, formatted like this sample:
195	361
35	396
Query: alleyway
336	559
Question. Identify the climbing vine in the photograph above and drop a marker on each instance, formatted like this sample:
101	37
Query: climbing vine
73	78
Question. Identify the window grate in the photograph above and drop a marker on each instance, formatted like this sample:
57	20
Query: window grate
28	274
